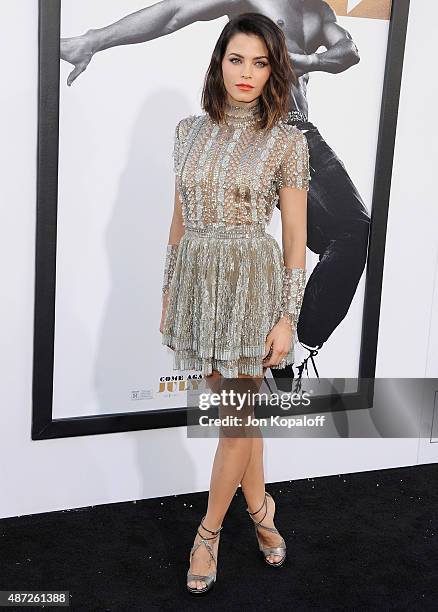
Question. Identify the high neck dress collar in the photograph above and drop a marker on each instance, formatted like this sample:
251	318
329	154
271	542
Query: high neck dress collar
248	114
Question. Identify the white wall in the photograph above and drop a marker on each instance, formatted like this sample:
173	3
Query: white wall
39	476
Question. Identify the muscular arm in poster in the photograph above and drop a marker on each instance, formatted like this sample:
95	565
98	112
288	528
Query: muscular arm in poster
160	19
341	52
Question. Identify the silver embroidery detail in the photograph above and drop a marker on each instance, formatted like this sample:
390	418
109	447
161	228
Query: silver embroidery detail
293	286
169	267
227	288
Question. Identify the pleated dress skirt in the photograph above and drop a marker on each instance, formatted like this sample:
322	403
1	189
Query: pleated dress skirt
224	299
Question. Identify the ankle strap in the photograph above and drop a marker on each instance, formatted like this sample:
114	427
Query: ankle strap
209	531
263	504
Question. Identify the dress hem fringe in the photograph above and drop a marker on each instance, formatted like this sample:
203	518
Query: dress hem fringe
252	365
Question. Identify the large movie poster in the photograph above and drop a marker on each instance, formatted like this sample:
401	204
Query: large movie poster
129	71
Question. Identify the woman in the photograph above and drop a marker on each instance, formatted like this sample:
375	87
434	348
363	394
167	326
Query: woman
231	298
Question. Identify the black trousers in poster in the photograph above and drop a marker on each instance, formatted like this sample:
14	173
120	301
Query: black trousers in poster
337	230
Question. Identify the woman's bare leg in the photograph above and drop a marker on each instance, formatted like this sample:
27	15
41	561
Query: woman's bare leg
231	460
253	487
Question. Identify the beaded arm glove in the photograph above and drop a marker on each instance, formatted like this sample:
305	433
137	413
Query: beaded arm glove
169	267
294	283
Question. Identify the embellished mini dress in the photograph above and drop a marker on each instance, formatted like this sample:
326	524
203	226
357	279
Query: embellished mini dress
226	286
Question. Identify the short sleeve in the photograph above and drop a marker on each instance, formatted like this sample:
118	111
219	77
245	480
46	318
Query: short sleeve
294	166
176	147
182	131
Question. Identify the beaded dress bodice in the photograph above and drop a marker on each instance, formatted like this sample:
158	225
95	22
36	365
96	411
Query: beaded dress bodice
230	173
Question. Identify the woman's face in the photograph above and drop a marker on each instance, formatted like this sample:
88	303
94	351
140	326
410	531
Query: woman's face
245	61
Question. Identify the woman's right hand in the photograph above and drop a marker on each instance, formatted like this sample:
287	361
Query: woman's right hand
78	50
278	343
163	311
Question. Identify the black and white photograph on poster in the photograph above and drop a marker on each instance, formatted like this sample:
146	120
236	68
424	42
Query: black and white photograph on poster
128	73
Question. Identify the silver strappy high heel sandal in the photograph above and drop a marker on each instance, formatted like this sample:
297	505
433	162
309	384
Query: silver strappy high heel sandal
210	579
273	550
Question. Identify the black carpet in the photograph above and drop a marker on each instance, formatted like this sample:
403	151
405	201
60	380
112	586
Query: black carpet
363	541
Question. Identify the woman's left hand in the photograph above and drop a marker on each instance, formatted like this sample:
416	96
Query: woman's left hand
279	340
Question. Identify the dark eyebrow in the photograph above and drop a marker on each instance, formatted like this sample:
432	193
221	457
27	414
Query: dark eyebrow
258	57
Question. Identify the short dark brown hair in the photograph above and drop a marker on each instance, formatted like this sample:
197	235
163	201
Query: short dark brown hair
275	98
